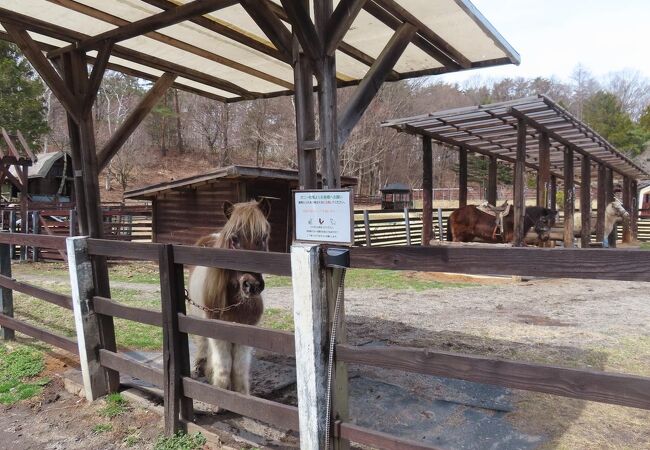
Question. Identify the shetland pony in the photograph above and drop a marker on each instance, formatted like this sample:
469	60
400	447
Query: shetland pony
230	295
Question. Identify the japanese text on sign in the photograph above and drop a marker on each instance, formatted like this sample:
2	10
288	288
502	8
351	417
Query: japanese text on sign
323	216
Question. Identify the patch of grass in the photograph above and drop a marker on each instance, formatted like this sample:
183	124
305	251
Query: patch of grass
18	368
181	441
645	245
277	319
115	406
102	428
132	438
392	279
271	281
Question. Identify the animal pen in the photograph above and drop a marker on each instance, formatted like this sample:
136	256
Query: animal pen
360	43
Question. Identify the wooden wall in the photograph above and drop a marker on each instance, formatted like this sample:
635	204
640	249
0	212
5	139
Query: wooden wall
183	216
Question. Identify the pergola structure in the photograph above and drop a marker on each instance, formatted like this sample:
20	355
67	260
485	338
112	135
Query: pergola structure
533	133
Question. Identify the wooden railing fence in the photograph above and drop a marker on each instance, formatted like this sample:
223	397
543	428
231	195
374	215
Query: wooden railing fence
307	268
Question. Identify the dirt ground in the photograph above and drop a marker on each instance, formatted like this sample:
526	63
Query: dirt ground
601	325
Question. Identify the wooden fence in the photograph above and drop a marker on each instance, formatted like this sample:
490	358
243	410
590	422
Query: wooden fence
101	361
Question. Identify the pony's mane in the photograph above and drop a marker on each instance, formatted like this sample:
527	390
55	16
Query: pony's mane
246	220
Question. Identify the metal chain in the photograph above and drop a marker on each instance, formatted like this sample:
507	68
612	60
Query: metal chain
211	310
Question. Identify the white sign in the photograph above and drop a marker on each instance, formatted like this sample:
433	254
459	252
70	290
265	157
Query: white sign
324	216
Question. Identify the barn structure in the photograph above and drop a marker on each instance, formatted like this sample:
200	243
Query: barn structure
186	209
533	134
396	196
49	178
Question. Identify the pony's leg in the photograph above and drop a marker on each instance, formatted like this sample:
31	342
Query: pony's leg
241	364
219	362
201	356
606	242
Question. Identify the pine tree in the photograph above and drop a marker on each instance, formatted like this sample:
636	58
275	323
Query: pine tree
22	105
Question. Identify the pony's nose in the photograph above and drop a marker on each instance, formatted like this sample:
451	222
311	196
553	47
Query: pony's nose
252	285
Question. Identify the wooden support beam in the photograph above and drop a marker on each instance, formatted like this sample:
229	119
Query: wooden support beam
492	181
569	198
610	196
373	80
12	179
627	204
305	119
6	294
10	144
33	53
427	191
303	28
164	19
520	185
585	202
462	177
601	203
544	173
553	193
634	213
97	75
134	119
327	102
339	24
270	24
25	145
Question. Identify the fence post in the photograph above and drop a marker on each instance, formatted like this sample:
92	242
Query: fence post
310	319
440	228
73	223
176	354
36	229
95	377
366	225
6	294
407	226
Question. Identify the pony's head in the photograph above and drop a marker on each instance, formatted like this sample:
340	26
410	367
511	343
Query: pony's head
542	220
247	228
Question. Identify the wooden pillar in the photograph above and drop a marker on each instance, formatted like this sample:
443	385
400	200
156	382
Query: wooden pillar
544	173
634	214
520	184
6	294
327	101
585	201
627	204
553	193
609	189
601	202
462	177
427	191
492	181
310	319
569	198
305	118
24	197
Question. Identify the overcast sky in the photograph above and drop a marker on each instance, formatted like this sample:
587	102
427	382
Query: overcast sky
553	36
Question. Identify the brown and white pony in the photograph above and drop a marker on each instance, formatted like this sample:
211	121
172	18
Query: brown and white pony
614	213
230	295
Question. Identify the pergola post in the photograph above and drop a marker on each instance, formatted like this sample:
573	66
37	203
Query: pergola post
627	204
585	201
519	185
303	74
492	181
601	199
544	173
427	191
462	177
553	193
610	197
634	213
569	197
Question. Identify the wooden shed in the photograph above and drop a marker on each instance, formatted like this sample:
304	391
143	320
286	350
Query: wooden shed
50	178
396	196
188	208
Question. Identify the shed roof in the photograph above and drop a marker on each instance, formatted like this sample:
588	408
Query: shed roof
396	187
492	130
43	164
225	55
234	172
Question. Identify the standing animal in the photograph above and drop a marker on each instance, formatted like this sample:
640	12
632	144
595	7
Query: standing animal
614	213
469	222
230	295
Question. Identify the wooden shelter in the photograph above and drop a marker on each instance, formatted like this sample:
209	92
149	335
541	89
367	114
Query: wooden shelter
533	133
49	178
185	210
396	196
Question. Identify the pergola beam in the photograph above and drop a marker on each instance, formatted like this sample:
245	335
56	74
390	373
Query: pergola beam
164	19
427	191
97	75
569	198
134	119
373	80
261	12
519	186
585	202
303	28
340	22
33	53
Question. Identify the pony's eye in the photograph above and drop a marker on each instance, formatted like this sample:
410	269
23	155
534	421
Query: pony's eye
234	239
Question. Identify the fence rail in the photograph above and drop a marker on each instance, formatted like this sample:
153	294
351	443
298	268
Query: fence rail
181	390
